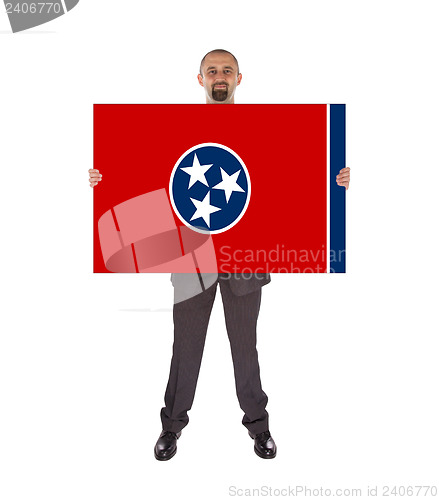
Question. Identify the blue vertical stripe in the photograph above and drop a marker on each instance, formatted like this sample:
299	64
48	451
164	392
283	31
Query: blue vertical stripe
337	202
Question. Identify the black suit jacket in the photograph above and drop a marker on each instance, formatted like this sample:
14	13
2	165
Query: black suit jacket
244	283
187	285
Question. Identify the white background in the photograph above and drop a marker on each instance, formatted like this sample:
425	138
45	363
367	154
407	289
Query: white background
349	362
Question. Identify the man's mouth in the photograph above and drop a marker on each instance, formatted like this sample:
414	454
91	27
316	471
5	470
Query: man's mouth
219	87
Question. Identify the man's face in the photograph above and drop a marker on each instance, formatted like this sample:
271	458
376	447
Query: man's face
219	78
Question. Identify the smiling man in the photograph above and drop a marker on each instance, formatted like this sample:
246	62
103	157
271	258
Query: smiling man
219	75
241	295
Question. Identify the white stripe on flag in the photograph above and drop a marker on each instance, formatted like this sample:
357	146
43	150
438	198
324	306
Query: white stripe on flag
328	187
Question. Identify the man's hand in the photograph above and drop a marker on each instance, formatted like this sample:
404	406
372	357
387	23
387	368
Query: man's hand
95	177
344	177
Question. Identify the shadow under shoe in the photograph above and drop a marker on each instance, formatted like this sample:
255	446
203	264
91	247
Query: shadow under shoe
166	446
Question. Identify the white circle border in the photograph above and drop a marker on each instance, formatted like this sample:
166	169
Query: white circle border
171	197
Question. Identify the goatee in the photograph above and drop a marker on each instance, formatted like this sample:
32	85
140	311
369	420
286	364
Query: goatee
220	95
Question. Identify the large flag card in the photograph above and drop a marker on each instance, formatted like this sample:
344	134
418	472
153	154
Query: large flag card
232	189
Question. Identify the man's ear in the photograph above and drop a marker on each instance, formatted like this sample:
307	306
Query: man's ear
200	80
239	79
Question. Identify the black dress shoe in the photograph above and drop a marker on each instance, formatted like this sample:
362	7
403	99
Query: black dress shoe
166	446
265	447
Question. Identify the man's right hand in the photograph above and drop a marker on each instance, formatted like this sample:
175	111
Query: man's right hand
95	177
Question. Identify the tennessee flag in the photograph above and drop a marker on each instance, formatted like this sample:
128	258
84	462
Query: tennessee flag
238	188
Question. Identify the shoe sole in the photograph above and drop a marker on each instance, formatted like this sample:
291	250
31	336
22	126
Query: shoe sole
259	454
163	459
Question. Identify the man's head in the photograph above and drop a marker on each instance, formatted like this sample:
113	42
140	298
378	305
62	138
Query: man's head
219	75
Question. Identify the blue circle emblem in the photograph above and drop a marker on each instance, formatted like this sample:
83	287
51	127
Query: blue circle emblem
210	188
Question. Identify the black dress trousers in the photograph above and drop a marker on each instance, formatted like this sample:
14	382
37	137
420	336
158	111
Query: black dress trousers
191	319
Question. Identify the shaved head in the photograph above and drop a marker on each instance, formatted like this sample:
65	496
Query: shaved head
217	51
219	75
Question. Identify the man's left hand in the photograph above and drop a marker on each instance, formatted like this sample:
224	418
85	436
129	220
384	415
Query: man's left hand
344	177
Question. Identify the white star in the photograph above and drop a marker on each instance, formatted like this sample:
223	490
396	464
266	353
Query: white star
204	209
229	184
197	172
